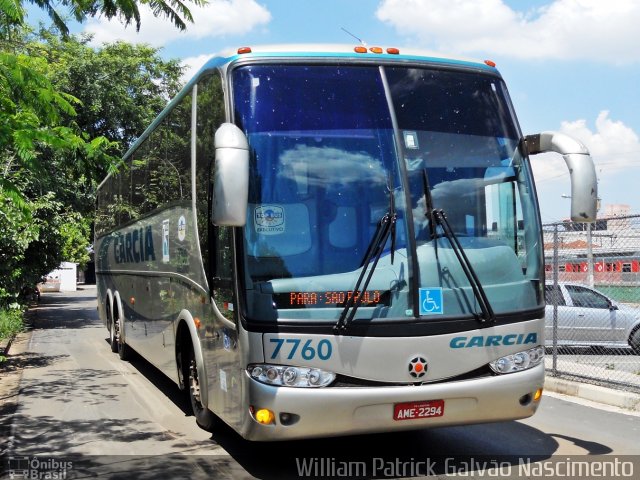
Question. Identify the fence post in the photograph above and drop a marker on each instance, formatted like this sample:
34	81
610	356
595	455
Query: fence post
554	348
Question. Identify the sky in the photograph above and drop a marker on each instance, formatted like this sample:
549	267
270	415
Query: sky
571	66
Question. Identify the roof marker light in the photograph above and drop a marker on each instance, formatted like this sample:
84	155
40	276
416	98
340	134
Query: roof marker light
393	51
242	50
360	49
491	63
375	50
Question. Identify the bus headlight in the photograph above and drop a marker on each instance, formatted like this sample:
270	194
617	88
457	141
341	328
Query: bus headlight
287	376
518	361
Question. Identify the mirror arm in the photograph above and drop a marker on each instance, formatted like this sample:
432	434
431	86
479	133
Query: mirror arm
584	184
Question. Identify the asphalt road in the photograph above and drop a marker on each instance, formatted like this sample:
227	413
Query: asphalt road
77	402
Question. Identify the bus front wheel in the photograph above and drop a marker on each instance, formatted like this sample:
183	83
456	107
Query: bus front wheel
204	417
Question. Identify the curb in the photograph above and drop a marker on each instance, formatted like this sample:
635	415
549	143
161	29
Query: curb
595	393
5	343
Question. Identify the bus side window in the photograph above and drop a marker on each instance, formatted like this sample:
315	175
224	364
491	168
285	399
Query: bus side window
210	115
223	292
224	253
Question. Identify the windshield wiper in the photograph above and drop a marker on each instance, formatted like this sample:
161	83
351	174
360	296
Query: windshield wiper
467	268
428	201
438	217
386	228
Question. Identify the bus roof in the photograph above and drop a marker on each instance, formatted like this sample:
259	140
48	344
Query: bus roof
346	51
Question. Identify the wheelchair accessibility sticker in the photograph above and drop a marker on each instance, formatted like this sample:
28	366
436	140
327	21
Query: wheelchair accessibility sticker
431	301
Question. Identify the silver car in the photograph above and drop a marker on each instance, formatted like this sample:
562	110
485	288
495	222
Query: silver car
587	317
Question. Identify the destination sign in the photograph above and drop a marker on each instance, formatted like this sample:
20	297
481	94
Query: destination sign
330	299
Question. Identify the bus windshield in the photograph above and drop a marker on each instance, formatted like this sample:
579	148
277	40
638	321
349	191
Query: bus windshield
333	147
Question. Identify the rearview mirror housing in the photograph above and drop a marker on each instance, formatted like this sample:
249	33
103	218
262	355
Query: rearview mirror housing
230	177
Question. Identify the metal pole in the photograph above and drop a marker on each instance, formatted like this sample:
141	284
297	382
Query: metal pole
554	350
589	256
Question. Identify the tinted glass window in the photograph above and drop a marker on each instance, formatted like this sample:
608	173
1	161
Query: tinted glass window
161	166
584	297
210	115
305	98
327	165
319	168
553	295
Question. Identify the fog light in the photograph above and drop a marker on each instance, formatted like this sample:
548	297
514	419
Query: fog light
525	399
537	395
265	416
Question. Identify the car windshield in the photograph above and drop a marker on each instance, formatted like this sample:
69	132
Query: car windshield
330	145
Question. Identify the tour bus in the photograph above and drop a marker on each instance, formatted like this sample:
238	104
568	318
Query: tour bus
324	240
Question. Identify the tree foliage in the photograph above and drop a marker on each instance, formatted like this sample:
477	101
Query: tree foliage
127	11
67	112
121	87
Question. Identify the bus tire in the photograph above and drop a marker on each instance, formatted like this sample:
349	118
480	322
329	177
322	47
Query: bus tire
124	351
204	417
113	338
634	341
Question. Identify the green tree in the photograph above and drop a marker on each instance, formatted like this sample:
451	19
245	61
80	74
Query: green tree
127	11
56	146
120	87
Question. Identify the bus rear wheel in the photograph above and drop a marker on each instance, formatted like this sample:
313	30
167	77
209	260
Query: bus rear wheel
204	417
113	334
112	338
124	352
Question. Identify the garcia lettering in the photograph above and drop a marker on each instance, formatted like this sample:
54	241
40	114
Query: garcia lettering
494	340
134	246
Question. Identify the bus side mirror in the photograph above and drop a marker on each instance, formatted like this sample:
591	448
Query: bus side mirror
584	184
231	177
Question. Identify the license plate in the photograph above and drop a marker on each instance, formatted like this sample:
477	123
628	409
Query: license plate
416	410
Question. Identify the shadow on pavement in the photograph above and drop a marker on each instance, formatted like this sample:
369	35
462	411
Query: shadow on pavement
62	310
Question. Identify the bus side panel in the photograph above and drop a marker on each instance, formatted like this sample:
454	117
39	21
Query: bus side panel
170	281
223	361
154	267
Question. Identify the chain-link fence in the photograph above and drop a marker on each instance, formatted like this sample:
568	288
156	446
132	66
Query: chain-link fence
592	294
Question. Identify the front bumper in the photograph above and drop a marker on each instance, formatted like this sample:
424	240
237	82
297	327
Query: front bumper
334	411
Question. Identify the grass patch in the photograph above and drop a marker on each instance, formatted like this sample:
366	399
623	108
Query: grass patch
10	322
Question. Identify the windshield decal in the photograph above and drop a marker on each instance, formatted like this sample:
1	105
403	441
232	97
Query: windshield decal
269	219
431	301
411	140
